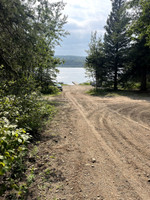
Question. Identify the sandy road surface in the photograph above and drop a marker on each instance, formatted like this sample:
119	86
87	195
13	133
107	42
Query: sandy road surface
104	152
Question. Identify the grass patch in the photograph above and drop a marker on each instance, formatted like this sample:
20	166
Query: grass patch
51	95
64	84
112	93
103	93
86	83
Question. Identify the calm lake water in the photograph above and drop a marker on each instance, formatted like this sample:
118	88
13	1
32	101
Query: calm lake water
69	75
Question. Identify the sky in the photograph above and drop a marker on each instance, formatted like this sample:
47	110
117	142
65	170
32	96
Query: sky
84	17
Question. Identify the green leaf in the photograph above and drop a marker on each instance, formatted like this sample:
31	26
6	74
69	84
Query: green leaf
19	140
1	157
2	172
3	164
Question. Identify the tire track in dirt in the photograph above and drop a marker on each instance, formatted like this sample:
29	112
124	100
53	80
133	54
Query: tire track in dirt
129	150
130	133
104	109
135	112
89	182
139	187
128	137
126	112
139	113
118	138
125	142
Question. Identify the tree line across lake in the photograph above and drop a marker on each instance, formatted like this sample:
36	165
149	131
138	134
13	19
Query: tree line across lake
72	61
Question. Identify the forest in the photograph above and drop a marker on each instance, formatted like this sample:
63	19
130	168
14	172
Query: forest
120	59
29	33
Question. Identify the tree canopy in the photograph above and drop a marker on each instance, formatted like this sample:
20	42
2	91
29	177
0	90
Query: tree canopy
29	32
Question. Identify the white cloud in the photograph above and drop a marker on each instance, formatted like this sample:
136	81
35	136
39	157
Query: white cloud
85	9
84	16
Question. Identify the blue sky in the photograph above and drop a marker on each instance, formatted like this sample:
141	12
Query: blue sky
84	17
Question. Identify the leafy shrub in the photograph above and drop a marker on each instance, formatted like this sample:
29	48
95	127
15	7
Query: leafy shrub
50	90
85	83
26	111
13	145
20	112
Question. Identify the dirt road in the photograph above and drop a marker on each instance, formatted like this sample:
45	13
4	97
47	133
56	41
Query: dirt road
102	149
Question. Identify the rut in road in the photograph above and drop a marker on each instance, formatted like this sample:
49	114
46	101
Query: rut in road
123	146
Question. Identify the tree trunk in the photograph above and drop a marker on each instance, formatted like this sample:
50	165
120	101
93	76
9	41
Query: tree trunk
116	78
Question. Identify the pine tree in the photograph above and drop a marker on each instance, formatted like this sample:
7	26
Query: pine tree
95	60
116	41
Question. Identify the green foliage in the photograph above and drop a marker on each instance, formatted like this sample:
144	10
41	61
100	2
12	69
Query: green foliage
123	59
28	35
116	41
19	115
85	83
103	92
138	67
30	177
131	85
140	26
95	60
29	31
110	92
50	89
27	111
13	145
139	29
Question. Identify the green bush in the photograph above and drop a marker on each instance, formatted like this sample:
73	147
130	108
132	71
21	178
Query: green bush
22	114
50	90
85	83
13	145
18	115
27	111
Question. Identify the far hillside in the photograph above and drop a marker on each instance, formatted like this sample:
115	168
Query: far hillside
72	61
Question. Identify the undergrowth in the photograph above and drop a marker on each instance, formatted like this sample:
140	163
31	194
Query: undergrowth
21	120
112	93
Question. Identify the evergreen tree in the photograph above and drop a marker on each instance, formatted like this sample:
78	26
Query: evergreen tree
95	60
140	34
141	23
116	41
140	63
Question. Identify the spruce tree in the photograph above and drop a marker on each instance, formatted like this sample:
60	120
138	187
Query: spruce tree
116	41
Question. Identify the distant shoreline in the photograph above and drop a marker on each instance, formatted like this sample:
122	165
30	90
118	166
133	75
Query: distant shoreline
72	61
70	67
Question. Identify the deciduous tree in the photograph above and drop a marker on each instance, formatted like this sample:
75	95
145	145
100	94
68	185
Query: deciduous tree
29	32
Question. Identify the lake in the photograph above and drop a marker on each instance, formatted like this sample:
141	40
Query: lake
69	75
